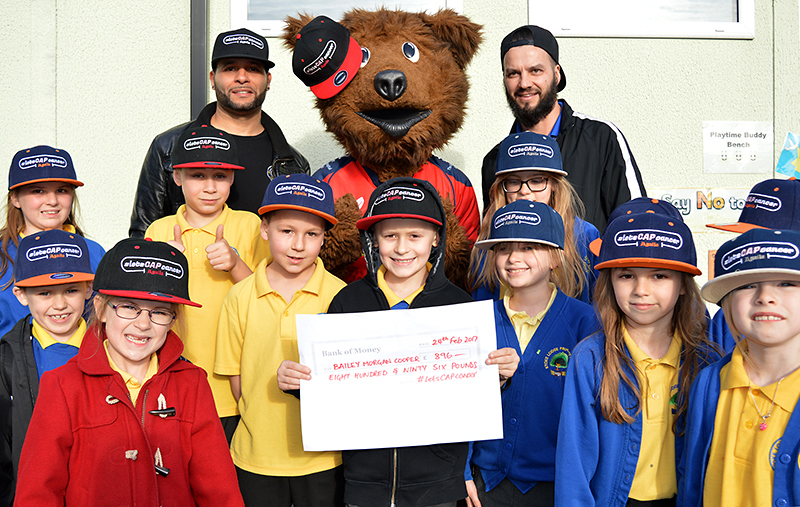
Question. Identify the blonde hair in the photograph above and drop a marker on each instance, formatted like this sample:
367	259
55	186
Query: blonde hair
564	199
688	321
15	224
93	323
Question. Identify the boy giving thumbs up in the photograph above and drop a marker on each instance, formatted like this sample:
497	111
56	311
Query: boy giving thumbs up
222	246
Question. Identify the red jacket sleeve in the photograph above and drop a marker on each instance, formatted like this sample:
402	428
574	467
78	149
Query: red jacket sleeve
215	485
44	463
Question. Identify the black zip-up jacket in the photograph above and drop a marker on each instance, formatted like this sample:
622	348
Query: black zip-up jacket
18	378
425	475
158	196
598	161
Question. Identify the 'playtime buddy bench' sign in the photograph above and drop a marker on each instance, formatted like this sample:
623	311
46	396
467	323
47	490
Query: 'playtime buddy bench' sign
399	378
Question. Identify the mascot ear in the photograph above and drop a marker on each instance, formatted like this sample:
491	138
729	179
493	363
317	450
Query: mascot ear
460	33
293	27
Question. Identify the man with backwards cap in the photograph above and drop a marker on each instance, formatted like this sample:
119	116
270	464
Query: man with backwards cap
596	155
240	78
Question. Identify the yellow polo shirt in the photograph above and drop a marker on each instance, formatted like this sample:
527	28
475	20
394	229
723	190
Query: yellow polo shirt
133	385
658	380
524	325
391	297
208	286
45	340
739	470
257	331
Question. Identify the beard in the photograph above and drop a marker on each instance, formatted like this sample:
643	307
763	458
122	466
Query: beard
528	117
225	101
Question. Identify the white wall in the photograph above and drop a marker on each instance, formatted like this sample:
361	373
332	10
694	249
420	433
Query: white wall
100	79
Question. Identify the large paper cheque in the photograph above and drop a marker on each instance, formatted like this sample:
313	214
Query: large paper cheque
399	378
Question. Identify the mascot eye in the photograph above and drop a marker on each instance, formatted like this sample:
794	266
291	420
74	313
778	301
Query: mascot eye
410	51
364	56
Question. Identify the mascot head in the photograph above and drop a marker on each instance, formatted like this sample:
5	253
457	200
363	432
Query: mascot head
409	95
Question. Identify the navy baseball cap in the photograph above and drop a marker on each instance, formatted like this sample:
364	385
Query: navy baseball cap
143	269
527	151
771	204
648	240
241	43
758	255
326	58
206	148
41	163
300	192
639	205
402	198
532	35
525	222
52	257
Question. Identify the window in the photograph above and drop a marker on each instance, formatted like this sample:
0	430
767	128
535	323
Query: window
266	16
725	19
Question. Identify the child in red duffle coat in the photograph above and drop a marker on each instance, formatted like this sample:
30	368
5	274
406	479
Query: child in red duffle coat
128	421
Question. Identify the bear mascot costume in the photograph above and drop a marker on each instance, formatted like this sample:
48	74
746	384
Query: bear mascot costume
391	87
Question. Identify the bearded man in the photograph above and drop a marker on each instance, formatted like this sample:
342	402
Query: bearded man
240	78
595	154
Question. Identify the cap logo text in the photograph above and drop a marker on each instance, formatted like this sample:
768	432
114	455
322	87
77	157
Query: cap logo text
301	189
649	238
395	193
530	150
765	202
242	38
57	251
517	217
43	161
61	276
758	250
322	60
206	143
151	266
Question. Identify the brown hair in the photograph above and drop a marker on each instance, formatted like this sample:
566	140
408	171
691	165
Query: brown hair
563	198
688	321
15	224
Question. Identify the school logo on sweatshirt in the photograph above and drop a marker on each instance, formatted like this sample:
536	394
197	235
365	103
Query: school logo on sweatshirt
773	452
649	238
151	266
557	360
56	251
758	250
765	202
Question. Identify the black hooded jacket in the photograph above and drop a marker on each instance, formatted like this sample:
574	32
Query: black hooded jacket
411	476
18	380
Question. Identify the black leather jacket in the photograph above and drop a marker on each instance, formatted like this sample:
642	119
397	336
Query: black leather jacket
158	196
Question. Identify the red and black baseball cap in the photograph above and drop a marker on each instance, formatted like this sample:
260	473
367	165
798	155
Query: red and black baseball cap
206	148
142	269
403	198
326	58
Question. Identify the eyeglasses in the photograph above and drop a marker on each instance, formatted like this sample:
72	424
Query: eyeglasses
130	312
535	184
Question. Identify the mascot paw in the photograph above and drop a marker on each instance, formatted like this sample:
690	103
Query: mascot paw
342	244
457	249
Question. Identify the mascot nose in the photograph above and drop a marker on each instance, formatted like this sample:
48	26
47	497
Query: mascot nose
390	84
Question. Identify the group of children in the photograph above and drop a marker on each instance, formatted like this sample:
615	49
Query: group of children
613	391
